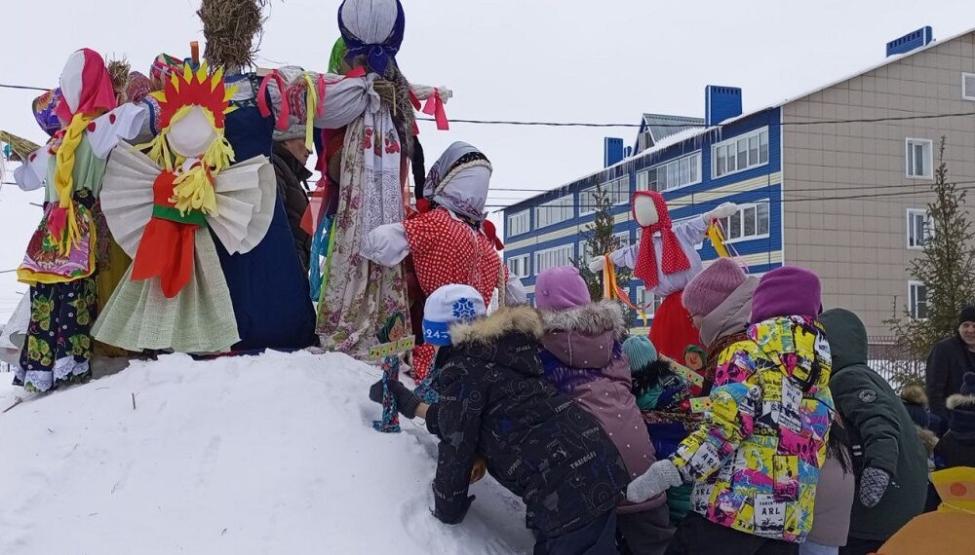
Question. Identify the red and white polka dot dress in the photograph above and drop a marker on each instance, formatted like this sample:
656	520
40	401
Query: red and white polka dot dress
447	250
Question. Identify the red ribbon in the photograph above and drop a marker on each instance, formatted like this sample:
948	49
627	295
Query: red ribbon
285	110
435	108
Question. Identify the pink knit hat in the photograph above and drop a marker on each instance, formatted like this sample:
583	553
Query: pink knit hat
560	289
787	291
712	286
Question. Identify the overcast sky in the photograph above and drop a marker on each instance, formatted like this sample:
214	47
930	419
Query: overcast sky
555	60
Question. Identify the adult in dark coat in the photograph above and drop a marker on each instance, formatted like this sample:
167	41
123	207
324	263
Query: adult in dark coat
289	158
948	362
889	460
540	445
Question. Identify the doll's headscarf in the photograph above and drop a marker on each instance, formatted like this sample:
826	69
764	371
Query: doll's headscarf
374	29
45	108
86	86
673	258
459	181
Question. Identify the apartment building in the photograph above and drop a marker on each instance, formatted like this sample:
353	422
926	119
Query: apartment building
836	179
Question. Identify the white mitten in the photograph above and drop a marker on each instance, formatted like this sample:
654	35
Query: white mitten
597	264
660	477
723	211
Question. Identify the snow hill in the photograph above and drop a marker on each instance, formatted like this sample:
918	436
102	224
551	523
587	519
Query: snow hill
269	454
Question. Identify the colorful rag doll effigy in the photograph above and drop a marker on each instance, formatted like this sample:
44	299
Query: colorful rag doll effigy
66	250
162	209
446	240
358	294
666	260
269	290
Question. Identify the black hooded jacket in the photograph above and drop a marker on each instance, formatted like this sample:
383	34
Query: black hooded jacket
882	434
947	364
539	445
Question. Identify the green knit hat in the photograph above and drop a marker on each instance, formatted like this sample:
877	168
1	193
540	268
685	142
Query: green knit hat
640	351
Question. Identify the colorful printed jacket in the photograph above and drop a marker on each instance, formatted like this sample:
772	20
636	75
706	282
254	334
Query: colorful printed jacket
755	460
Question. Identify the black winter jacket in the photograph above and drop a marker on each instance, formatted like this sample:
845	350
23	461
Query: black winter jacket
539	445
947	364
881	431
957	447
292	183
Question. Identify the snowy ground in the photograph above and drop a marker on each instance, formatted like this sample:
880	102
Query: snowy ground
270	454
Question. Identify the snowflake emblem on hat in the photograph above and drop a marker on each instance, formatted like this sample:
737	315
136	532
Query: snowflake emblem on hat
464	309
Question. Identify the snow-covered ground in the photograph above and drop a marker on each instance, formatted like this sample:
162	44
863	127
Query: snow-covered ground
269	454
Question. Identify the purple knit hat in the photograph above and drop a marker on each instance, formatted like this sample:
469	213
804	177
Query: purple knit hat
712	286
560	289
786	291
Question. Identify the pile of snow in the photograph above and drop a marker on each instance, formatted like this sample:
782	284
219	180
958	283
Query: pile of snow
269	454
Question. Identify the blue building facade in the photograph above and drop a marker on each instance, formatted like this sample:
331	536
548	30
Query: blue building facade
696	169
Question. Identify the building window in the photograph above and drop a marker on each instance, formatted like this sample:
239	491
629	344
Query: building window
751	222
519	223
740	153
553	258
920	228
518	266
643	180
617	192
919	158
968	86
917	300
554	211
675	173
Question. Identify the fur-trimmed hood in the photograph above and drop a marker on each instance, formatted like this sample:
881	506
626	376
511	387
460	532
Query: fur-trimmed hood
961	402
591	319
915	395
585	337
520	319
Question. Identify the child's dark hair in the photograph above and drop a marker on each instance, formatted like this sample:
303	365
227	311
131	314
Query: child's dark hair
648	377
838	447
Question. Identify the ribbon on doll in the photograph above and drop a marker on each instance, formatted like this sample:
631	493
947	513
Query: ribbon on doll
284	111
434	107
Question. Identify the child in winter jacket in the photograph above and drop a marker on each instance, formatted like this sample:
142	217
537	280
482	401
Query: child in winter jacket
834	496
537	443
662	394
582	357
915	400
957	447
755	459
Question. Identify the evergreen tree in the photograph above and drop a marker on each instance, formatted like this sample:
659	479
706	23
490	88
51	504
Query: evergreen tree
946	267
599	241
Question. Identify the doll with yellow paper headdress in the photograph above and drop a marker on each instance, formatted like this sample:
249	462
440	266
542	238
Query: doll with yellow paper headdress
162	208
946	531
62	256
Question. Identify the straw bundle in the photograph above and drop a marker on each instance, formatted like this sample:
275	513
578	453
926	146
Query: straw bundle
232	29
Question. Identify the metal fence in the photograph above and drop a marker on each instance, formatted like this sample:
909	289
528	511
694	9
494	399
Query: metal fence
898	366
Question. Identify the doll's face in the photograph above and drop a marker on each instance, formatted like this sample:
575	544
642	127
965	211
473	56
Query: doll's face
694	361
645	211
71	80
192	134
